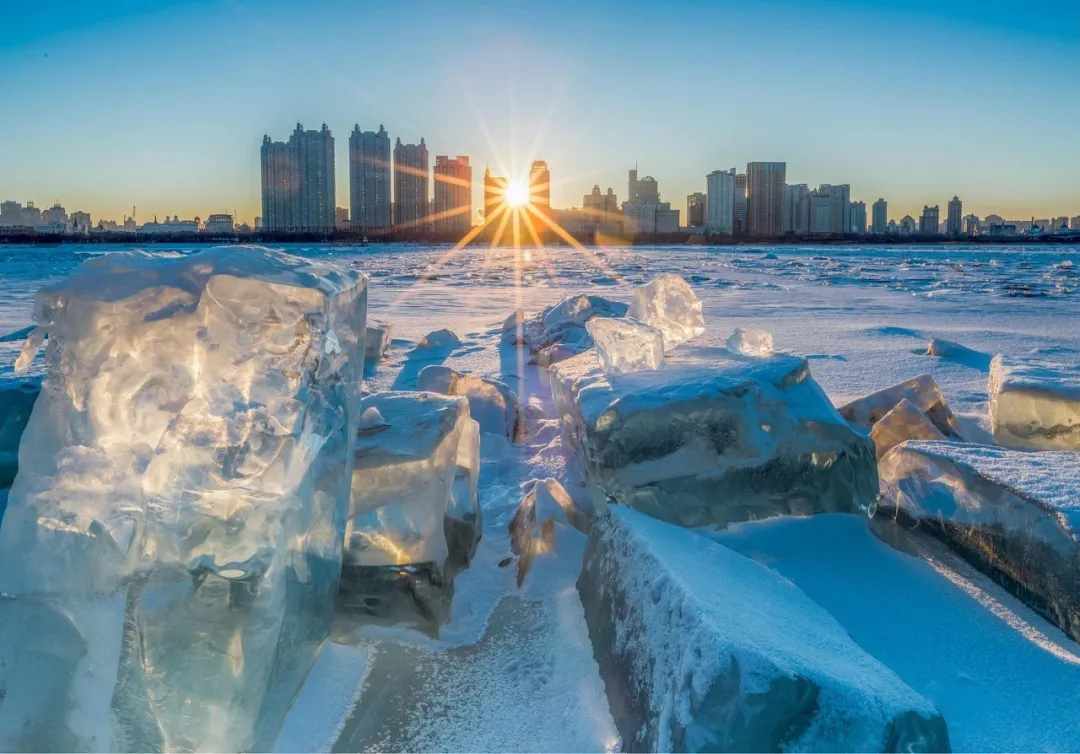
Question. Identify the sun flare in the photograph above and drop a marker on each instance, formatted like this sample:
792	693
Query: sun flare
517	194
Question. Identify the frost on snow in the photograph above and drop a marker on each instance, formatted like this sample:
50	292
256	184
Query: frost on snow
702	649
546	515
713	438
377	341
904	422
669	304
558	332
1006	511
16	402
750	342
1034	404
921	391
626	345
409	476
181	518
492	403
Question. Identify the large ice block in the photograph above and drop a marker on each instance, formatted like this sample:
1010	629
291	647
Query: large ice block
181	495
558	332
493	404
750	342
714	437
669	304
904	422
1034	404
626	345
922	391
464	517
545	516
1014	515
17	398
702	649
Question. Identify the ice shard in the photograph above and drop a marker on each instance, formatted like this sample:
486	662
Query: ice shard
626	345
714	437
904	422
750	342
558	332
183	510
1034	404
703	649
17	398
464	517
669	304
493	404
1012	514
545	516
922	391
377	341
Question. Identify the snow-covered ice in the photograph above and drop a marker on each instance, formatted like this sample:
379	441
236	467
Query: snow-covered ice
493	403
558	330
750	342
714	437
1011	513
624	344
702	649
668	303
181	495
1035	403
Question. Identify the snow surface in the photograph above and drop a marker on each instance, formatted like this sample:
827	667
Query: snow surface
862	316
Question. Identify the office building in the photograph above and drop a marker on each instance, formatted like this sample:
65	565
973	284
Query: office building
829	210
601	207
494	197
55	216
928	222
540	187
644	190
765	198
794	208
341	218
220	223
720	202
298	181
369	180
695	210
955	223
858	218
739	223
452	209
411	191
880	217
278	184
80	221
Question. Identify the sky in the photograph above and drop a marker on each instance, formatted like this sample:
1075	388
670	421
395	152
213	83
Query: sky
162	104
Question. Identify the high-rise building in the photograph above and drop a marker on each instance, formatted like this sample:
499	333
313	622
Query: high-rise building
829	210
494	197
1074	222
971	225
369	179
720	204
858	218
739	224
907	225
81	220
298	181
411	186
540	187
794	208
644	190
880	217
452	210
928	223
341	218
695	210
765	198
600	207
956	217
55	216
10	214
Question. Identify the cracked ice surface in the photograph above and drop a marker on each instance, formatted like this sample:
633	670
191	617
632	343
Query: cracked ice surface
183	510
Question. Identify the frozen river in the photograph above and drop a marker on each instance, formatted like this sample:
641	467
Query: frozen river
513	669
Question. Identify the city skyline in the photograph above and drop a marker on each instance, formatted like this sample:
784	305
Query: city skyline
166	101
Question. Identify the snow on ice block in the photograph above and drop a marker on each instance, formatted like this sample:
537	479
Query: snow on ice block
377	341
1034	404
904	422
626	345
714	437
750	342
1012	514
558	332
702	649
17	398
546	515
491	403
669	304
921	391
184	505
442	340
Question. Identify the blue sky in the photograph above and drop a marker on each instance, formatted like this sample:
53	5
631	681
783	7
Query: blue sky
163	103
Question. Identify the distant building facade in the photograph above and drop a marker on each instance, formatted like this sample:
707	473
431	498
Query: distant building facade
720	202
219	223
298	181
540	187
858	218
695	210
80	221
602	207
369	180
740	205
880	217
169	227
644	190
411	191
765	198
928	222
955	224
452	208
794	209
829	210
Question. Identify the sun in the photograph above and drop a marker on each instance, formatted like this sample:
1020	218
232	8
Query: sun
517	194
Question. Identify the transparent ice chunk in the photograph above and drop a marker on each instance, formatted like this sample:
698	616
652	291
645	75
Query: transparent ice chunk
192	450
493	404
464	519
750	342
444	340
921	391
904	422
16	402
1034	404
377	341
558	332
669	304
626	345
545	515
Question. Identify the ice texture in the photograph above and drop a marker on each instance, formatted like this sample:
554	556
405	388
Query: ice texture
921	391
180	502
702	649
904	422
545	516
750	342
493	404
714	437
558	332
464	517
1034	404
626	345
16	402
1012	514
377	341
669	304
